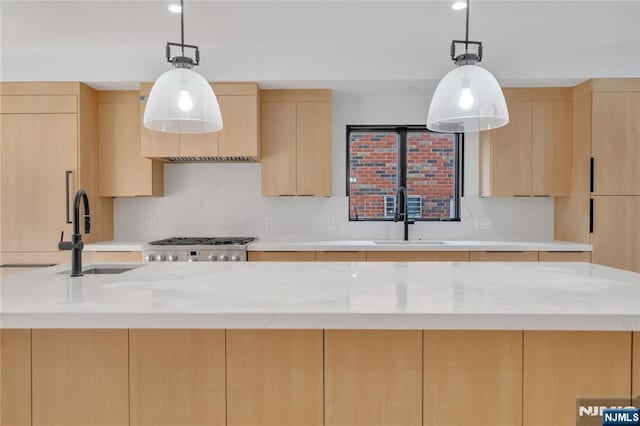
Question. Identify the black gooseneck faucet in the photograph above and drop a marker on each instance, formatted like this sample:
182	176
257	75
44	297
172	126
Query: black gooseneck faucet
405	210
76	245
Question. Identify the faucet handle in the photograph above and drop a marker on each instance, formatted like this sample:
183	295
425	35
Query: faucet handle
87	223
61	235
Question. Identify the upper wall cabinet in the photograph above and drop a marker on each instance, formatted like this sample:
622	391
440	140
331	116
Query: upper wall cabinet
123	172
296	142
49	150
615	144
239	140
531	156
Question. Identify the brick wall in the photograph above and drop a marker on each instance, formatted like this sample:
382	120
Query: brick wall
374	173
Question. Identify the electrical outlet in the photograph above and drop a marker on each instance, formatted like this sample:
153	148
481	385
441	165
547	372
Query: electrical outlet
484	223
153	224
268	223
331	223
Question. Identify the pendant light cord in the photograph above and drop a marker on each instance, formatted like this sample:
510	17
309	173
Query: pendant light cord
182	24
466	40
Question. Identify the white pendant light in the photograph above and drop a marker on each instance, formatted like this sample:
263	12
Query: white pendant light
468	98
181	100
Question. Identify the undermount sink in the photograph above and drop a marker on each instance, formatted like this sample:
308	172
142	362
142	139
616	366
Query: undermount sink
104	270
410	242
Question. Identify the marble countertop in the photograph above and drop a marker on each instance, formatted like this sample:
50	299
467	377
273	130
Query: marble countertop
417	245
382	245
367	295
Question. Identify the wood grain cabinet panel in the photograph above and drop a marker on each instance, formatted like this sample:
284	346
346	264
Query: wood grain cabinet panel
481	370
15	377
564	256
615	145
154	144
177	377
562	366
503	256
635	366
417	256
281	256
240	133
123	172
313	153
278	148
616	232
80	377
341	256
111	256
551	148
373	377
274	377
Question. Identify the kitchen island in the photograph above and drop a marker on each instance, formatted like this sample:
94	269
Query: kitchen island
318	343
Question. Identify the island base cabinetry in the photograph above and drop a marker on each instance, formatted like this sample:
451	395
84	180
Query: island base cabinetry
311	377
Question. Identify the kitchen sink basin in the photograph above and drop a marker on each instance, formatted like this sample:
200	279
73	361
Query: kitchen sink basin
103	270
414	242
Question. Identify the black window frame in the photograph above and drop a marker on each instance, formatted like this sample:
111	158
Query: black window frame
403	131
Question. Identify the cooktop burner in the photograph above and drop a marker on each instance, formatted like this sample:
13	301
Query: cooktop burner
199	241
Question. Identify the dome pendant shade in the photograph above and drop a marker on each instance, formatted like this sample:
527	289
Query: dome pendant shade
182	101
467	99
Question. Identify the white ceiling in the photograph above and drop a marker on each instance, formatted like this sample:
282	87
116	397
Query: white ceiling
361	46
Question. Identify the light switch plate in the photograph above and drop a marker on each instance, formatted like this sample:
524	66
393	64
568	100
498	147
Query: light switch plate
484	223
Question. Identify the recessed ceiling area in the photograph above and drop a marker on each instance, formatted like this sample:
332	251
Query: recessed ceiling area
368	46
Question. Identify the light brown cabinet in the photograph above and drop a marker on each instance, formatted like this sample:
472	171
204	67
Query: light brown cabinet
341	256
635	365
616	231
281	256
531	156
417	256
296	142
49	139
80	377
275	377
463	367
15	377
564	256
561	366
373	377
605	192
177	377
503	256
123	171
239	140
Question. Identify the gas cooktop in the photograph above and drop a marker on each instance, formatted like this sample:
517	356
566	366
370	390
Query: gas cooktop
202	241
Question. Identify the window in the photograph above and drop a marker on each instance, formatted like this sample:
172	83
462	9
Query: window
382	158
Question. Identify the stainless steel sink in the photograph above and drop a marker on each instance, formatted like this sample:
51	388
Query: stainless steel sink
414	242
104	270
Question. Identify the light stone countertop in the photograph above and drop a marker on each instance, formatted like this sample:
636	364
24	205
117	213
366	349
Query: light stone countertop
420	295
382	245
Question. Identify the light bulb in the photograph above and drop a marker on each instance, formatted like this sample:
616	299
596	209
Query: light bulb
185	103
175	8
459	5
466	99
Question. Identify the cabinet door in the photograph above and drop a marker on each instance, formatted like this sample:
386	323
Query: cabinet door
80	377
177	377
341	256
616	143
373	377
156	144
282	256
199	145
511	153
616	232
15	377
635	366
122	171
564	256
417	256
562	366
36	152
462	366
551	148
239	136
274	377
503	256
278	148
313	148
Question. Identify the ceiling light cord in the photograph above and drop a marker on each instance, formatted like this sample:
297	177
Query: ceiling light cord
182	24
466	40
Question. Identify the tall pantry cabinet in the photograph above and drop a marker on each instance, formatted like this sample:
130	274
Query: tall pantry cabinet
604	205
48	149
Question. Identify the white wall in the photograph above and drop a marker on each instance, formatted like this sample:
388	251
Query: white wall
225	199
